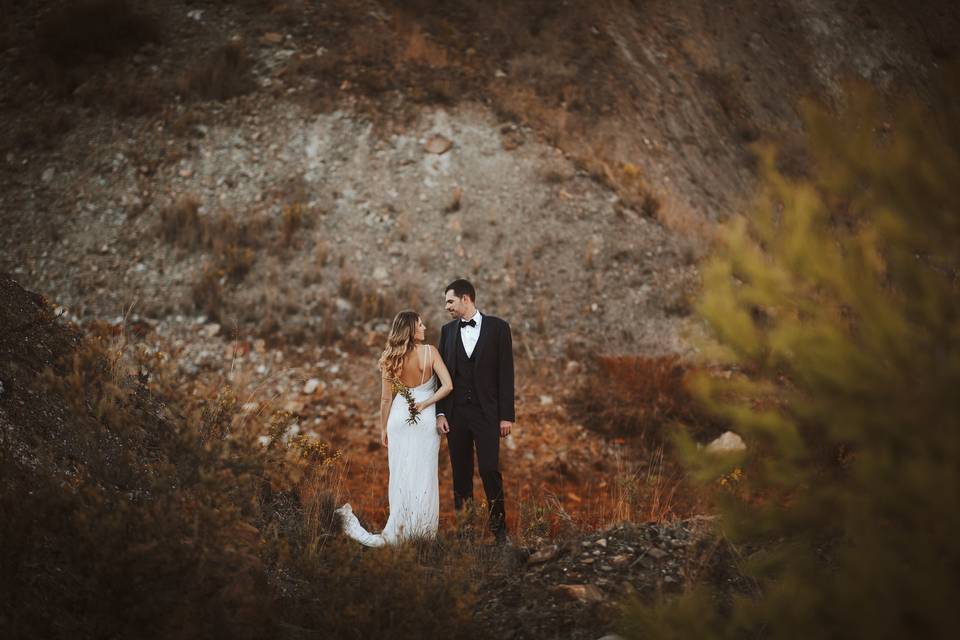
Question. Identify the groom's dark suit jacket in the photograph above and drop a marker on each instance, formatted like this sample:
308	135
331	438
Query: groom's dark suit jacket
493	368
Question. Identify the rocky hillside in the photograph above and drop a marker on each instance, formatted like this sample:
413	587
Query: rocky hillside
299	171
246	191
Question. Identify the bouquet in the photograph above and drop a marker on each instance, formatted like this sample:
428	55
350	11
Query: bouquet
404	391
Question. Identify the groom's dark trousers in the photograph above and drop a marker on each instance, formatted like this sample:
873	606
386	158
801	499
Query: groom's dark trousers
482	397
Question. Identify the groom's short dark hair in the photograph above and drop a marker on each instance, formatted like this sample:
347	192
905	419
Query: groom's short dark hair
462	288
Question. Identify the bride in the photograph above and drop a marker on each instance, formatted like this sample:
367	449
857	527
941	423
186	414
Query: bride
412	441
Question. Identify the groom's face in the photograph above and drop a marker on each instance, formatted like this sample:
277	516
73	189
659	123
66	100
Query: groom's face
455	306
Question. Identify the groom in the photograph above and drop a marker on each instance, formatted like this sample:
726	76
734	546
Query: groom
478	352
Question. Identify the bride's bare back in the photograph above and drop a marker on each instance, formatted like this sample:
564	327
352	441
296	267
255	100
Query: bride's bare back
417	366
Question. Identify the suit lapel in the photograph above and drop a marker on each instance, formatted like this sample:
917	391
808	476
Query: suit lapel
482	339
453	343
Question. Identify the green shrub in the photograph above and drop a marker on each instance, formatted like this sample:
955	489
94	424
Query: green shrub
837	302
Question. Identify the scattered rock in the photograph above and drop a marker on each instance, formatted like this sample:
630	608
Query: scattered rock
657	553
311	386
438	144
620	560
728	441
581	592
211	329
271	37
572	367
544	555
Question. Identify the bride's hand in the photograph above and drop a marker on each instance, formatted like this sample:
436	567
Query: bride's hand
420	406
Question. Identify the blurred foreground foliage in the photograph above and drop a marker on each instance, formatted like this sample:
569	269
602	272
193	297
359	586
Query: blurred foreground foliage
835	304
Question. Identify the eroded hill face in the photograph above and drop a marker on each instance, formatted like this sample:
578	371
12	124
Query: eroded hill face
297	170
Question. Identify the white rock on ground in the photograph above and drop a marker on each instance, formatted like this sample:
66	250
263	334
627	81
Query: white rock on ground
728	441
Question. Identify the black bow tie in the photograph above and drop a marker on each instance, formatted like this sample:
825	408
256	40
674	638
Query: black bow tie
468	323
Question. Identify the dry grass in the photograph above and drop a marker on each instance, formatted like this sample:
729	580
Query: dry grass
180	224
696	232
225	73
291	221
367	302
645	485
232	243
232	246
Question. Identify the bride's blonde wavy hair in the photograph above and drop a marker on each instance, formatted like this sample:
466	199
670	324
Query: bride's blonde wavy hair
400	342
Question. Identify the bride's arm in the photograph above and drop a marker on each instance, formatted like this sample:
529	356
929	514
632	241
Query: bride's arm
446	384
386	399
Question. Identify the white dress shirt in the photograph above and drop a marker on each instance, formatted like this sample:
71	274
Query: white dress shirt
470	335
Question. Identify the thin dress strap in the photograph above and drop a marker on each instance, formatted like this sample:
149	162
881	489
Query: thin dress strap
423	361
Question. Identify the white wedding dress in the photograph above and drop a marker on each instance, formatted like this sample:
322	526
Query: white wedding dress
412	450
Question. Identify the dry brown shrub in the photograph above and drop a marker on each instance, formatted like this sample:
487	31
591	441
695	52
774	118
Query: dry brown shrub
696	232
207	293
233	244
524	105
368	302
129	96
637	397
291	220
224	74
180	223
421	49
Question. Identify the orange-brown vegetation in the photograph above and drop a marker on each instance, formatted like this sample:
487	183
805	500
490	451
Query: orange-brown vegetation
639	398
